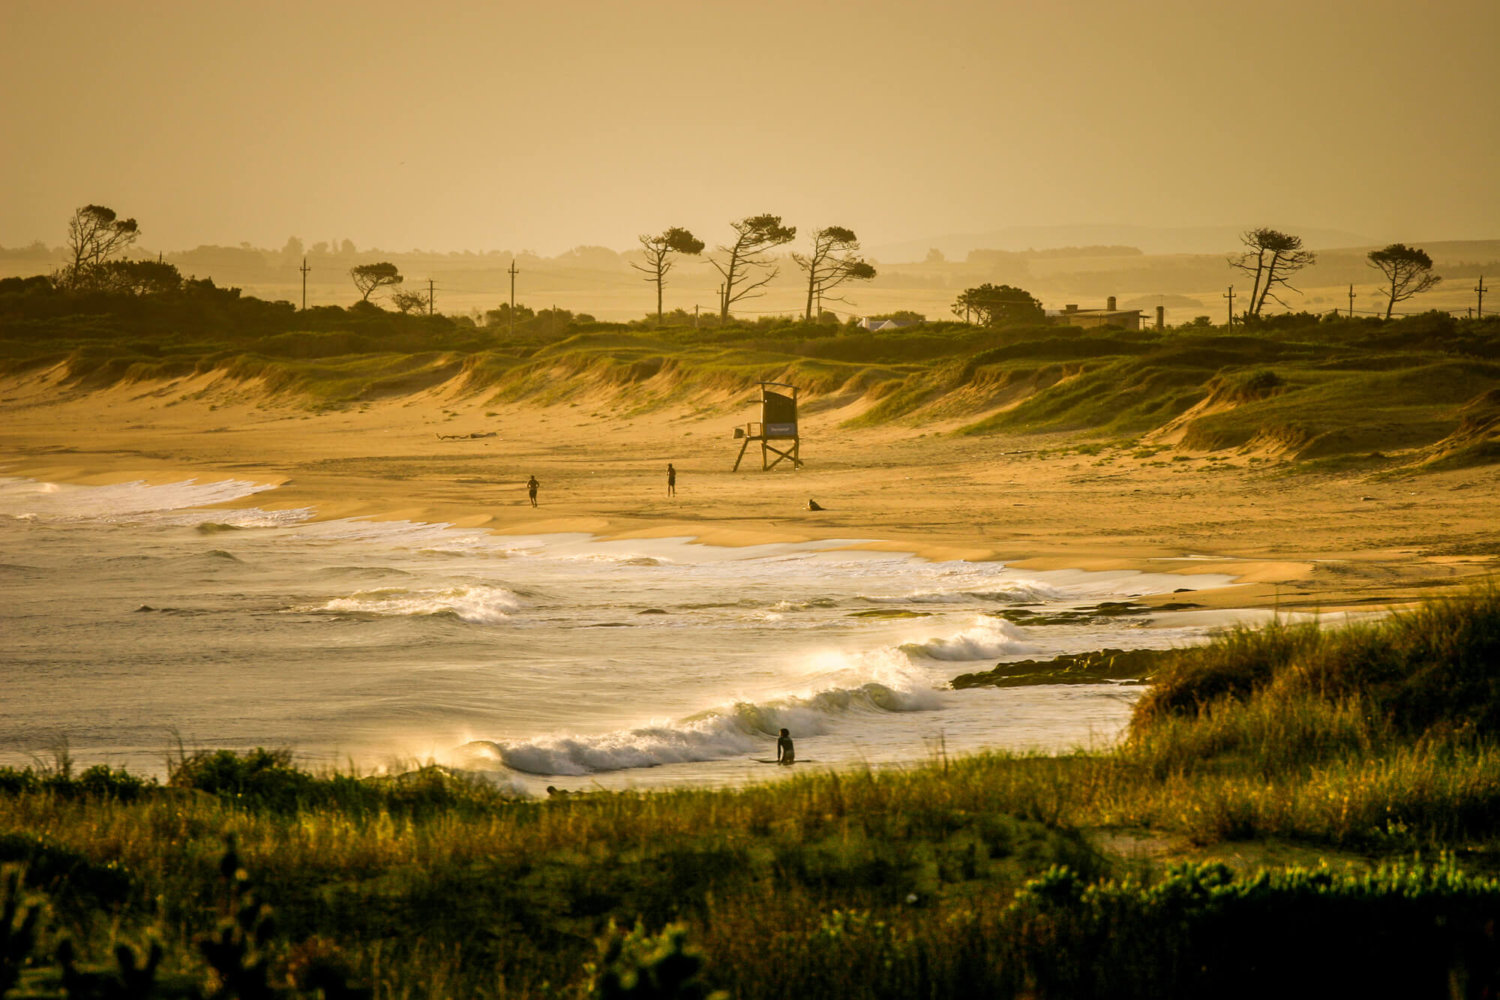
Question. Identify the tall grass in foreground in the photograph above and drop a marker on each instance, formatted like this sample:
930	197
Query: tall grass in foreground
1346	735
961	877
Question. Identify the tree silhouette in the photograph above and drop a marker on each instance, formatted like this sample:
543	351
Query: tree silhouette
95	234
749	257
659	250
368	277
1408	269
833	261
998	305
137	277
1271	257
410	301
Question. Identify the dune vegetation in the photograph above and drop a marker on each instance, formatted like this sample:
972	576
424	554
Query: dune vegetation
1370	746
1412	392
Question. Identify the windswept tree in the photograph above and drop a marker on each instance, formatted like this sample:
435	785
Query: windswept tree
747	263
998	305
1271	258
834	260
659	250
1408	269
95	234
368	277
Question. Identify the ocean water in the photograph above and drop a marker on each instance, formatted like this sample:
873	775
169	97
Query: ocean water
137	619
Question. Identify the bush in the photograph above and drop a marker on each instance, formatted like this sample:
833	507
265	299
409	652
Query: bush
1204	932
1432	668
260	777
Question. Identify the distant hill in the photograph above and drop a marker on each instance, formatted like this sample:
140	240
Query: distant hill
1150	239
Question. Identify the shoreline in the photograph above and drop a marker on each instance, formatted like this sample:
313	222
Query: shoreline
1292	540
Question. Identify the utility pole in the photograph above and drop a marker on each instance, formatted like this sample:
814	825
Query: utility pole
304	269
513	273
1230	296
429	296
1351	300
695	315
1480	289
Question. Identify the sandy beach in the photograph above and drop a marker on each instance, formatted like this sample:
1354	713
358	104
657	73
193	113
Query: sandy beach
1295	540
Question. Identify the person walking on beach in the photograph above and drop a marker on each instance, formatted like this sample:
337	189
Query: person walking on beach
671	480
784	752
531	485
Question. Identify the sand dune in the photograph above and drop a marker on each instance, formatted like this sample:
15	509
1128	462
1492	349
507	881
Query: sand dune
1296	539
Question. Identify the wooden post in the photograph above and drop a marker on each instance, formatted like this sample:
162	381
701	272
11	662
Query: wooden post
513	273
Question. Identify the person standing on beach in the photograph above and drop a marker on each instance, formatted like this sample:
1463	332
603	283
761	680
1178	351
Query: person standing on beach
531	486
784	752
671	480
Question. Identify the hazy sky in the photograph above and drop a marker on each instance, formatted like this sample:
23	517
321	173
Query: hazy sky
547	124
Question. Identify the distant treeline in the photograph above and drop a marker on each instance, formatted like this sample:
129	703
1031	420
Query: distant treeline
1068	272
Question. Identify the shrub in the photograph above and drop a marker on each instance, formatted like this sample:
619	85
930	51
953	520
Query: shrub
1407	930
260	777
1431	668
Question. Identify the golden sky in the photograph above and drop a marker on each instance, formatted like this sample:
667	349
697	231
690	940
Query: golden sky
548	124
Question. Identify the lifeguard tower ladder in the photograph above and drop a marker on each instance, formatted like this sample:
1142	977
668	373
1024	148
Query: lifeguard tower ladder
778	423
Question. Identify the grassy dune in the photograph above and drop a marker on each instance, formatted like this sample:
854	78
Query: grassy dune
1369	744
1412	391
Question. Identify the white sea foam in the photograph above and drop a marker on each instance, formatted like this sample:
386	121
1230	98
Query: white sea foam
616	558
477	604
250	517
419	536
120	502
988	592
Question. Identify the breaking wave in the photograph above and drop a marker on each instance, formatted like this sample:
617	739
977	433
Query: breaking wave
995	592
986	639
733	731
478	605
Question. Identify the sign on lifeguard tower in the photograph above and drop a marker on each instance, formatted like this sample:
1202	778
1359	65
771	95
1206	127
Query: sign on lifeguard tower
778	423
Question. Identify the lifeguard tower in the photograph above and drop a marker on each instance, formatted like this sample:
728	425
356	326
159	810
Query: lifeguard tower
777	423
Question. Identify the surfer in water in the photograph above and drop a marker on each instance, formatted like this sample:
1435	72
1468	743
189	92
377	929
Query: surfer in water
784	752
